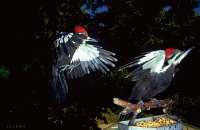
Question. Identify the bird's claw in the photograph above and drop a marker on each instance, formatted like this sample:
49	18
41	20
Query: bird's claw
65	67
141	104
68	67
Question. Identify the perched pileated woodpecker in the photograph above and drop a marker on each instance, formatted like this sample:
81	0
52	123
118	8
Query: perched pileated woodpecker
153	72
76	55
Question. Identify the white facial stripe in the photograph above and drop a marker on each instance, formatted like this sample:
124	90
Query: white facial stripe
165	68
183	55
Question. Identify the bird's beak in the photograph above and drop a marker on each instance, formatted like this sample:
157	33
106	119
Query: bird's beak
182	55
91	39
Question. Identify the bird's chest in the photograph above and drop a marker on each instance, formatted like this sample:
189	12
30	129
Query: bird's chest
165	78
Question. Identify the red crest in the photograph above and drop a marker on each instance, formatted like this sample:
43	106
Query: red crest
80	29
169	52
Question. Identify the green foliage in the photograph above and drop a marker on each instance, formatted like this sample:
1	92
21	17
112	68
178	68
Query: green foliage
107	117
4	72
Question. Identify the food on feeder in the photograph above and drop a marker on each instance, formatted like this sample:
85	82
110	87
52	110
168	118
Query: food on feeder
158	122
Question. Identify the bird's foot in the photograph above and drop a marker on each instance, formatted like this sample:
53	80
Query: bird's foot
141	104
68	67
155	101
64	67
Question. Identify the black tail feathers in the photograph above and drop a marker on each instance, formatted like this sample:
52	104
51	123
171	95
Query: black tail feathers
58	86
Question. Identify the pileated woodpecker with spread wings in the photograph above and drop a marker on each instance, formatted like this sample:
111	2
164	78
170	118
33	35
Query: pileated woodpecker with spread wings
75	55
153	72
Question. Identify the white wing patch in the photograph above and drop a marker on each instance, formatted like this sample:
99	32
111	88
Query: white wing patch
90	58
147	57
84	57
85	52
153	61
182	56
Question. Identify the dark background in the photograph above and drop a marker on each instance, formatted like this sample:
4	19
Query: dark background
131	27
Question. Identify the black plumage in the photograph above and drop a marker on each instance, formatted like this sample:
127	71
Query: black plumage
76	55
